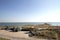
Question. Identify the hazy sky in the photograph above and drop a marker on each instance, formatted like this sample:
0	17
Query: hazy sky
29	10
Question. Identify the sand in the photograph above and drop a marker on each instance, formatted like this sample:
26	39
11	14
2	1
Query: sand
13	35
16	35
20	34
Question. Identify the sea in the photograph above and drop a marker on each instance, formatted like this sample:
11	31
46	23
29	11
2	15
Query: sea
26	23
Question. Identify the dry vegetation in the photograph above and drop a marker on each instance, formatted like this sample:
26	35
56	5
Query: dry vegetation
47	32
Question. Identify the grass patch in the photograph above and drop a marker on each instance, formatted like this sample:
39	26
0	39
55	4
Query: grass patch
4	39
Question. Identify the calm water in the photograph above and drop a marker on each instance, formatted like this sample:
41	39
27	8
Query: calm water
26	23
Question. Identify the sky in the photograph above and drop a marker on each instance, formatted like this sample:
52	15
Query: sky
29	10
